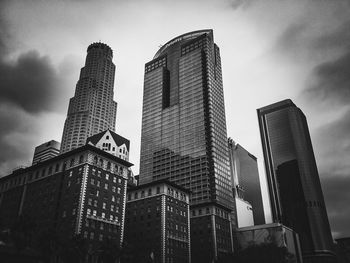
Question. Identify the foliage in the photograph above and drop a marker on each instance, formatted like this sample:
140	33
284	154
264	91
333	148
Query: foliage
266	253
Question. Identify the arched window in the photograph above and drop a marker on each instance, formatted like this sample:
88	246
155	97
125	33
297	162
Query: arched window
109	166
81	159
95	160
71	162
101	162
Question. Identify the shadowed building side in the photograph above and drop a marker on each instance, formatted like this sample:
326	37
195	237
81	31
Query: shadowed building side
289	159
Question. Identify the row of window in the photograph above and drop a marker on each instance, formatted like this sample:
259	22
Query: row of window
103	214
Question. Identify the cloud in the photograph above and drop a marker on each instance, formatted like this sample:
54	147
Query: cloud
31	88
337	196
17	135
30	83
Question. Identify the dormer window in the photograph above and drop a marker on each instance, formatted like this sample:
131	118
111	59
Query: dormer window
107	137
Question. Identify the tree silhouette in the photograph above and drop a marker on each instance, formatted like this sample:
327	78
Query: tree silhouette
265	253
109	251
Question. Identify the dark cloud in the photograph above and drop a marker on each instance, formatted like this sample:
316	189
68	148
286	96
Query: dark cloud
30	87
332	143
16	137
337	196
332	80
339	38
30	83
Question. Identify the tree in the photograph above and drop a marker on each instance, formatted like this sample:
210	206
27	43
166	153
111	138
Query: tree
109	251
265	253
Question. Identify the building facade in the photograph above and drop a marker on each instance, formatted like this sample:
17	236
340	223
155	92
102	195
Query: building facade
245	179
295	190
157	224
184	135
112	143
79	193
46	151
92	109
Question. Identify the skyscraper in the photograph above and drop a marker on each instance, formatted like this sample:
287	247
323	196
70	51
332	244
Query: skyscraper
294	185
92	109
46	151
184	135
245	174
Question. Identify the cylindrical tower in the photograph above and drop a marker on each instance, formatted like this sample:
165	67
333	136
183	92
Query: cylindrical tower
92	109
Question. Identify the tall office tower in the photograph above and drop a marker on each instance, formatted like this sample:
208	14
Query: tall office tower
295	191
92	109
46	151
245	178
184	136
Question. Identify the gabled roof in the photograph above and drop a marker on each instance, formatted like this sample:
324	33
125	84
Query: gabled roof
119	140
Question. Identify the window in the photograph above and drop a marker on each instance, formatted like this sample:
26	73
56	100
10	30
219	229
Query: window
57	167
95	160
113	189
92	181
158	189
118	190
112	208
142	194
95	203
101	162
81	159
94	213
71	162
107	176
106	186
109	166
100	238
104	205
92	235
89	201
107	137
103	215
113	198
149	192
88	211
111	217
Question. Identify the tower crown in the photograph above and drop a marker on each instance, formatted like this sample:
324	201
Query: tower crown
183	37
99	45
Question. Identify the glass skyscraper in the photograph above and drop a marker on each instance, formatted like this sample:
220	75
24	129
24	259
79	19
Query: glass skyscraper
245	179
295	190
184	136
92	109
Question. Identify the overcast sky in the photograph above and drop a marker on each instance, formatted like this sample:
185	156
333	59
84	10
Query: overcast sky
270	50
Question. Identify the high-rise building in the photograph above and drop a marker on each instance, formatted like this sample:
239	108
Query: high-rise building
184	136
46	151
92	109
245	179
295	190
157	223
81	192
